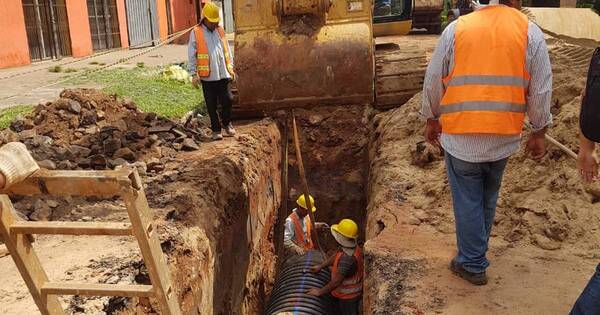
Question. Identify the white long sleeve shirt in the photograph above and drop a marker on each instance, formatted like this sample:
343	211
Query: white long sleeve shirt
480	147
216	53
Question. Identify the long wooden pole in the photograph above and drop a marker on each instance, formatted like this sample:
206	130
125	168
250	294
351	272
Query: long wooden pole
304	182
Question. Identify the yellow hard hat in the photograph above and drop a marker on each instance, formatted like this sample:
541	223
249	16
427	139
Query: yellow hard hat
302	202
211	12
346	228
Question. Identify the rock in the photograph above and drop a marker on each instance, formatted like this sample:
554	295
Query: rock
155	165
84	163
39	118
166	136
91	130
121	125
129	104
42	212
546	243
52	203
38	141
8	135
190	145
89	118
177	146
66	165
27	134
125	153
73	106
142	168
98	162
47	164
111	146
87	218
413	221
118	162
21	123
76	151
100	114
74	122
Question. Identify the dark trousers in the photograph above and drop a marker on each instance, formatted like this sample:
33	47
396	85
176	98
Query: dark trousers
589	301
216	92
349	307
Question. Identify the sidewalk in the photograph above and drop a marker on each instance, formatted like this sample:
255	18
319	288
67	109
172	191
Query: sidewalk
27	86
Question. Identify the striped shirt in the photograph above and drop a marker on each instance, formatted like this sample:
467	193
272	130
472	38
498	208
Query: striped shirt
476	148
216	52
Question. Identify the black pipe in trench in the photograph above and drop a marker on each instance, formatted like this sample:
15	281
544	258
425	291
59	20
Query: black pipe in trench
289	292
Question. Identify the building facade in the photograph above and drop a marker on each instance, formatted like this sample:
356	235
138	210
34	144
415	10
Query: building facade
34	30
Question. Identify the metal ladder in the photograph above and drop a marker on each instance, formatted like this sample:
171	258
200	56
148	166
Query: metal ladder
125	183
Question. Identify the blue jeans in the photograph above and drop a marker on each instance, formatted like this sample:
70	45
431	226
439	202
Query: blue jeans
589	300
475	188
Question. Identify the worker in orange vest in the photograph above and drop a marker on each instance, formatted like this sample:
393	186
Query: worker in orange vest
298	234
210	64
489	69
346	282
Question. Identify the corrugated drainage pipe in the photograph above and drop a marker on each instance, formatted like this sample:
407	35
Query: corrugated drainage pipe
289	292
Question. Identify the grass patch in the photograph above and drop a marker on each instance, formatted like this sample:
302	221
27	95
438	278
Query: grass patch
55	69
148	90
7	115
94	63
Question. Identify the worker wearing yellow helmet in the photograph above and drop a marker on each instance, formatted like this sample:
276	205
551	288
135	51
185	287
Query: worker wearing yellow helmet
347	269
210	64
298	236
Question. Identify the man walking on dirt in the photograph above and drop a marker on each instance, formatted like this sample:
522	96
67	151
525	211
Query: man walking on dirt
489	70
587	163
210	64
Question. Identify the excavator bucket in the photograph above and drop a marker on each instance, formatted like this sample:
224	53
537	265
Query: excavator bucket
303	53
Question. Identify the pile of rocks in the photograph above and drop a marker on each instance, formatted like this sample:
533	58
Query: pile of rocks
87	129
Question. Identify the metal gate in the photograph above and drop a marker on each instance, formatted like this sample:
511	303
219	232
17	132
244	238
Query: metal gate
142	23
47	28
104	24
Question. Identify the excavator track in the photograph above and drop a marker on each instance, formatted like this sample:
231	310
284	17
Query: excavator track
399	72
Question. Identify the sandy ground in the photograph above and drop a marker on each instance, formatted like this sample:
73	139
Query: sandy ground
544	244
28	86
64	259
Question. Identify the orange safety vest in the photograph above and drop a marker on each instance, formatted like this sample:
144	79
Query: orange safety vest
202	56
300	240
486	90
351	287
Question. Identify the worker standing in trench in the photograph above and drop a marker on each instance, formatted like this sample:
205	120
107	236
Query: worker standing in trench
346	282
489	69
298	236
210	64
587	163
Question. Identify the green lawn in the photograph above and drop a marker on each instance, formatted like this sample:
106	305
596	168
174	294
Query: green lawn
148	90
146	86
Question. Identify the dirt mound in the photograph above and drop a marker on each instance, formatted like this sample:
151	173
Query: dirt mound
543	203
87	129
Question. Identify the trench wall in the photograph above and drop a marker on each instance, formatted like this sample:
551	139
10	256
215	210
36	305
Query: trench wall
218	219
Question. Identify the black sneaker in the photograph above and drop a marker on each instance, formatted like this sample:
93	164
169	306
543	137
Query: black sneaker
473	278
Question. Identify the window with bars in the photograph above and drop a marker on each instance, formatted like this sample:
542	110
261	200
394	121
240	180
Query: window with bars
104	24
47	27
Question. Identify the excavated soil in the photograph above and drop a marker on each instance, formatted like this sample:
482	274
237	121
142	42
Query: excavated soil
214	209
545	237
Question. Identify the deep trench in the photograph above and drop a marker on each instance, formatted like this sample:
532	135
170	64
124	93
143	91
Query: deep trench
334	145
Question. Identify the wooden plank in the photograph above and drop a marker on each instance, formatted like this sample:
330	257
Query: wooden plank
74	183
26	261
154	258
72	228
58	288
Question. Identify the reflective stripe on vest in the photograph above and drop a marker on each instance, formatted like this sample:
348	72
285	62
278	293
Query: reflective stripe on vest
202	56
352	286
486	90
300	239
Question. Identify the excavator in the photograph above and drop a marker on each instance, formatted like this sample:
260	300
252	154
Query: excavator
307	53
